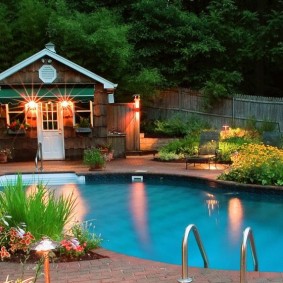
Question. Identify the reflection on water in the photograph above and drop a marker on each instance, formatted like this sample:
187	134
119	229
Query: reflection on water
235	215
212	203
138	208
81	208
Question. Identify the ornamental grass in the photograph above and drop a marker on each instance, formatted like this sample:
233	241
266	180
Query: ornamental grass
42	213
256	164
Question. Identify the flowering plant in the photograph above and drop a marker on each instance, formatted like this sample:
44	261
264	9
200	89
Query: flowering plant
17	125
6	151
13	239
84	123
256	164
78	241
72	247
81	241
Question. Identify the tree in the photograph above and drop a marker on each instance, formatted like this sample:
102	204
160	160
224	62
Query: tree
30	28
97	41
227	66
220	46
6	39
270	67
169	39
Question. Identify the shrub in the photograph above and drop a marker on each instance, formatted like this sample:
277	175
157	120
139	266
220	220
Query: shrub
148	127
175	146
167	156
239	134
180	126
232	140
175	127
178	148
256	164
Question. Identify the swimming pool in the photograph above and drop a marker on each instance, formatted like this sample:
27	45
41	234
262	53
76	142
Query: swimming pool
147	219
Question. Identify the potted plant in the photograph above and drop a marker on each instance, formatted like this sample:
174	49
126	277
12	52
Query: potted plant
5	154
94	158
17	128
107	150
83	126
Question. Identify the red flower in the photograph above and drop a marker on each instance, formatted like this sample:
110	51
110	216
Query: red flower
72	247
4	253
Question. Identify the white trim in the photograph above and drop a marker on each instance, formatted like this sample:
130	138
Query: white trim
86	110
55	56
91	113
7	114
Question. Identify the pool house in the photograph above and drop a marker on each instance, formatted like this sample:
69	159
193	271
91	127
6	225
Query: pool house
46	100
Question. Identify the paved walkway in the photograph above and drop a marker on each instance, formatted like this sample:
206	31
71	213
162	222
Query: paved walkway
118	267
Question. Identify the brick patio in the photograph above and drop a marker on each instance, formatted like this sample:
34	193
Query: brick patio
118	267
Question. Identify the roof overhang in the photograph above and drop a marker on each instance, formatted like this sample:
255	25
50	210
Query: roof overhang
9	95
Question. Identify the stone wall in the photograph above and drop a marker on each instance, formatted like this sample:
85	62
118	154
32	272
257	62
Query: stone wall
153	144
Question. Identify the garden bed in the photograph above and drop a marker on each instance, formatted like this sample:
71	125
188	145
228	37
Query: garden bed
34	257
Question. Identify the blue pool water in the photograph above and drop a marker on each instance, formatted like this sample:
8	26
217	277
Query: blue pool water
148	219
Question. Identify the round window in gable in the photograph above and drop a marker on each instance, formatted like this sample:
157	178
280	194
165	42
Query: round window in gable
47	73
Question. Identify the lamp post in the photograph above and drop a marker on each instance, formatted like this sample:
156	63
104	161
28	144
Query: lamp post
45	246
136	122
226	128
136	102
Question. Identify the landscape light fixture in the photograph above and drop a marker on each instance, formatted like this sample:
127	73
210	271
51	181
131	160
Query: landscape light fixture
45	246
136	102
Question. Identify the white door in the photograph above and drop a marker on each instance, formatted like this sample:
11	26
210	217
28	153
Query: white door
50	131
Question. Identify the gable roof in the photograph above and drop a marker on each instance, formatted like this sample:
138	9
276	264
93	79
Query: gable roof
50	51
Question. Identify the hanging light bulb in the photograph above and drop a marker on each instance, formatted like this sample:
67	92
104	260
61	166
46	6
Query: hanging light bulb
31	105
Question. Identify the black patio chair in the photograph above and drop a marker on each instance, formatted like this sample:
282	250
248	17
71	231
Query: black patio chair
208	149
273	139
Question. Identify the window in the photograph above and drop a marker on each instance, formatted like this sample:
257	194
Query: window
15	112
83	111
50	116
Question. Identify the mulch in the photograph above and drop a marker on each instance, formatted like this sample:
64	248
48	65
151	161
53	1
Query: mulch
34	257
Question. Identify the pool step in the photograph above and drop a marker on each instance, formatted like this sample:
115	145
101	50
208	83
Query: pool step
46	178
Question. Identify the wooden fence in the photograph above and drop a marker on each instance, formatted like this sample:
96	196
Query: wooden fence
123	119
235	111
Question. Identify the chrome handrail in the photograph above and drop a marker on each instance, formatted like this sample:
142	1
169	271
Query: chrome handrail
185	277
247	235
39	156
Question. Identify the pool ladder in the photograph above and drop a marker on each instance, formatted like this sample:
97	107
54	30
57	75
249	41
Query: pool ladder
247	235
37	157
185	277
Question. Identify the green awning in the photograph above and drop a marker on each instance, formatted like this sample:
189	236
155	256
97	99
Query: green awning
43	94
